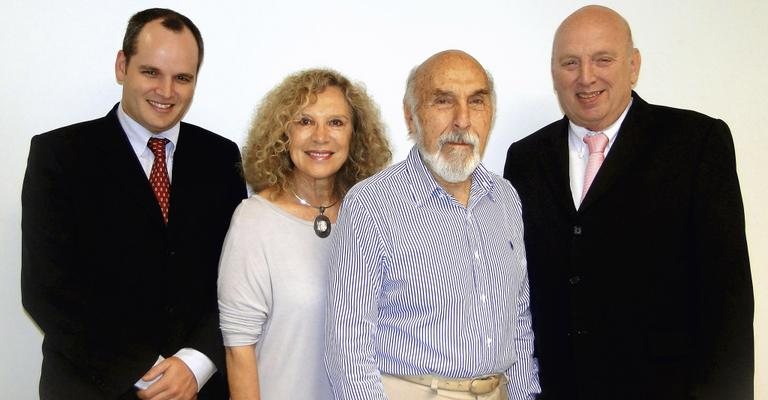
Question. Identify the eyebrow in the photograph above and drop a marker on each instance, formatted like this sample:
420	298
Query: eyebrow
153	68
305	114
593	55
440	92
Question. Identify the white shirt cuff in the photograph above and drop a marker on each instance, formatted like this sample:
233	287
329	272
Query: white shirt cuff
200	365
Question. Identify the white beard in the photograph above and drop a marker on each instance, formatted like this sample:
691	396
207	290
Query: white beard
457	165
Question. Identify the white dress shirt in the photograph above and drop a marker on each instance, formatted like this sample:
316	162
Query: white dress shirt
578	152
139	136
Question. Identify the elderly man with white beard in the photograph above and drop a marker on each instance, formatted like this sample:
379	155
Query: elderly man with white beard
429	294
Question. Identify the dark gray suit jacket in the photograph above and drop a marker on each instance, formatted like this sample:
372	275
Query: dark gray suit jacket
645	291
108	283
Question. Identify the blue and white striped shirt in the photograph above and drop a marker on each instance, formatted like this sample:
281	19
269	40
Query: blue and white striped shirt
421	285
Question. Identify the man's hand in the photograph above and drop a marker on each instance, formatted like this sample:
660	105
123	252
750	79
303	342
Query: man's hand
177	382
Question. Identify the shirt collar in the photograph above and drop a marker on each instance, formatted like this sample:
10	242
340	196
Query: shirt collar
424	186
578	132
139	136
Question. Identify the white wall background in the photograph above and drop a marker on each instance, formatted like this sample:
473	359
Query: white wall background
57	69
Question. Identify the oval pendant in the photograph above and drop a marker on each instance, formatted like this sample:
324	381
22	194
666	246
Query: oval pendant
322	226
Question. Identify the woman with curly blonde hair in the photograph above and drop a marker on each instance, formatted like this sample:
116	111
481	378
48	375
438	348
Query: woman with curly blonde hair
313	137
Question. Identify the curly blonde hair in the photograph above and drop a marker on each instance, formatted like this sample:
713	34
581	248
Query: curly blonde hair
266	159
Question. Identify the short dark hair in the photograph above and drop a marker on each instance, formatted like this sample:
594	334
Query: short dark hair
170	19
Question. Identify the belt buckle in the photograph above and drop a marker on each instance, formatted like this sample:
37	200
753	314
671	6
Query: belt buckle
484	385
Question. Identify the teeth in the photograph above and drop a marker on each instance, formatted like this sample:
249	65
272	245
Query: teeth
159	105
588	95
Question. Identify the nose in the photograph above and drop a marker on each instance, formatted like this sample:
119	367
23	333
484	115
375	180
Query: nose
165	87
586	74
461	118
320	133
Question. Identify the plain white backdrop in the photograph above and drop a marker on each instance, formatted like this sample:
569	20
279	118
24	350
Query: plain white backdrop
58	58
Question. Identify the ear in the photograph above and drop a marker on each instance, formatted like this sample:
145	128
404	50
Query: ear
121	67
634	64
408	118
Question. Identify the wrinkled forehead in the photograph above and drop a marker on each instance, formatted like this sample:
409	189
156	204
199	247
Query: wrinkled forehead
452	73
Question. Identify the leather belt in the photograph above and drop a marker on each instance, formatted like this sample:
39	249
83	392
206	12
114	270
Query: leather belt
478	386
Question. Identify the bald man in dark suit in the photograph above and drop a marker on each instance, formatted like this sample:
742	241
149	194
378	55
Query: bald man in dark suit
634	232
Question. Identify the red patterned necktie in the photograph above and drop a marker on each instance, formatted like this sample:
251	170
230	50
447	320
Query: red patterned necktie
158	178
596	143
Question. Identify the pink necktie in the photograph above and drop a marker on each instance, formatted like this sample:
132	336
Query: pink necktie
596	143
158	177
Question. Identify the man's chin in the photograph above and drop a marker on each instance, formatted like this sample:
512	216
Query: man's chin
449	172
457	153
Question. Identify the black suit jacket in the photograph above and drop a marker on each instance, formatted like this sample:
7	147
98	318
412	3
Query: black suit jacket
108	283
645	291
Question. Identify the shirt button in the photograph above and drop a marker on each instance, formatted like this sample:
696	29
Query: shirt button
482	298
488	341
577	230
477	255
574	279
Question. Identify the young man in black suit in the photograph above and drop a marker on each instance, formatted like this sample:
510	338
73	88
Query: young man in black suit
634	232
122	224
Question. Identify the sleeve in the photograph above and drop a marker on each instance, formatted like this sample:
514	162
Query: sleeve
201	366
523	376
725	301
351	320
245	291
51	287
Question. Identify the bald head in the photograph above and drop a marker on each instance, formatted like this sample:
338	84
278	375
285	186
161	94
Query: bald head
595	15
437	64
448	107
594	66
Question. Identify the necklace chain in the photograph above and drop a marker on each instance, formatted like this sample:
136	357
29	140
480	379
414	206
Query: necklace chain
306	203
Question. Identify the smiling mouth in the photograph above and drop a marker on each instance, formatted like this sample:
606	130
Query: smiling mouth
589	95
319	155
159	106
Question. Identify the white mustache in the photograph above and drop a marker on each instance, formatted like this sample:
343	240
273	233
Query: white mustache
463	137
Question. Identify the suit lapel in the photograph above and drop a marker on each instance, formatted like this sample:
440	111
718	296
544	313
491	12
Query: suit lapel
184	176
554	162
124	167
633	136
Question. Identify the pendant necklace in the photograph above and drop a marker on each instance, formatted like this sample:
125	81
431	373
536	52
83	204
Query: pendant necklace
322	223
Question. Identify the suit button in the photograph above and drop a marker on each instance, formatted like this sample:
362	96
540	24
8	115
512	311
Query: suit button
577	230
171	253
574	279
